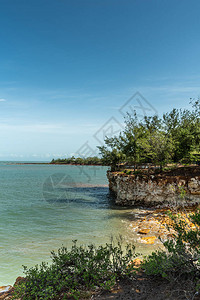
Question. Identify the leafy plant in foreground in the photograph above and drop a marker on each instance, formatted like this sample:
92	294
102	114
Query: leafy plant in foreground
182	252
77	270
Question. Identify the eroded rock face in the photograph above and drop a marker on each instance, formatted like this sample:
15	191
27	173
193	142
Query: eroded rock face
153	190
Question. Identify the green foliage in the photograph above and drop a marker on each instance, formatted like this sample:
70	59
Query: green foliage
182	192
158	263
111	158
76	271
182	252
78	161
173	138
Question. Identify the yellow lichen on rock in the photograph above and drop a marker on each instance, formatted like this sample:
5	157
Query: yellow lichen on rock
148	240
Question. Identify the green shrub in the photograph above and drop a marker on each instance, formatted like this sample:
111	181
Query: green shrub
77	270
129	172
182	252
138	172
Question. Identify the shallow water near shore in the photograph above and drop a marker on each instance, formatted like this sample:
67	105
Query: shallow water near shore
43	207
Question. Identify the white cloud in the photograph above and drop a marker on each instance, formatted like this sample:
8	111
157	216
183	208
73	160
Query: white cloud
2	100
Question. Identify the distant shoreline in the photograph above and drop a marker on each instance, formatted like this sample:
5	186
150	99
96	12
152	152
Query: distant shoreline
28	163
48	163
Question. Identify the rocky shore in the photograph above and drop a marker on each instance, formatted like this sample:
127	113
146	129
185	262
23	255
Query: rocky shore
7	291
153	226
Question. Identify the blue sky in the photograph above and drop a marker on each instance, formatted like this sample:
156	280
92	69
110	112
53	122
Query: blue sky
67	67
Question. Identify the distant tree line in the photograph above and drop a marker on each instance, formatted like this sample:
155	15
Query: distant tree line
172	138
78	161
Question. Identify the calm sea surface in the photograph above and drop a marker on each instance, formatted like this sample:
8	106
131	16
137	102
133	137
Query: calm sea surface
43	207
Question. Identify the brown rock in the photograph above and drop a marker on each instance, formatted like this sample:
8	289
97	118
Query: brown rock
137	262
5	292
144	231
5	289
161	233
170	235
148	240
116	291
19	280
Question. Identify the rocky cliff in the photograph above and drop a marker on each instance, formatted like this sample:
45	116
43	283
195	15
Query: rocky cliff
154	190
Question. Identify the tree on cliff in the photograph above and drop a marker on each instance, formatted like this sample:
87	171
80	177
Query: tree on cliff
123	148
173	138
111	157
140	142
183	127
157	148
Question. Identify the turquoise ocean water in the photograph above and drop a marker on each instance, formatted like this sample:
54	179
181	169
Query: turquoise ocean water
43	207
